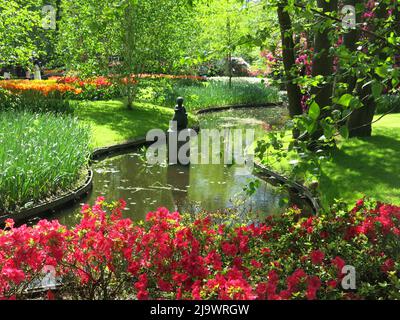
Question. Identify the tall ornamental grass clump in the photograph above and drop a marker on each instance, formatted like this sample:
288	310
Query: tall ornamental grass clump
41	155
200	94
218	93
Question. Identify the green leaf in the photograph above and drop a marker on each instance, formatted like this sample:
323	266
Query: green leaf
314	111
381	71
344	132
377	89
311	127
355	103
345	100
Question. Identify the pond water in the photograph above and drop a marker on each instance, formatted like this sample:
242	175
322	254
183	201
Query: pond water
187	188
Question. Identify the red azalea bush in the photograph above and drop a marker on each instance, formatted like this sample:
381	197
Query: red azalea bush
170	256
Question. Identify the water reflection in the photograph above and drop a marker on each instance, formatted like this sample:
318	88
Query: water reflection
183	188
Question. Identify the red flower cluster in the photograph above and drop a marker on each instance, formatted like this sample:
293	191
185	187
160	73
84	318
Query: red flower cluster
170	256
106	82
98	82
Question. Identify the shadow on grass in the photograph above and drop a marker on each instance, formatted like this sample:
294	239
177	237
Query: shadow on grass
112	122
368	166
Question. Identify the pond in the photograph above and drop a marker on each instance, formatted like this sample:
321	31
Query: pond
189	188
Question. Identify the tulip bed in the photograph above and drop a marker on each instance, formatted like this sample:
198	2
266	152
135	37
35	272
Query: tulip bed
159	89
31	98
173	256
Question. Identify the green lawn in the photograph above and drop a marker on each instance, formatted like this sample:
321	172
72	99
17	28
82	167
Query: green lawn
360	167
112	123
368	166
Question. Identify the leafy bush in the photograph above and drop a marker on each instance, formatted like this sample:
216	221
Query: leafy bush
170	256
7	100
388	103
40	155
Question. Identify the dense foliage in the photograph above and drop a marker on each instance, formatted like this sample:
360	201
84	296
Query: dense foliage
174	256
337	77
23	39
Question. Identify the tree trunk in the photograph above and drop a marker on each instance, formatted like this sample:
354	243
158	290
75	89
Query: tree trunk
129	104
350	39
288	53
359	117
360	122
229	64
323	60
129	61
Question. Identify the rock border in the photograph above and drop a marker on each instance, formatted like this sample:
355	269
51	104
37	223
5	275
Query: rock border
105	152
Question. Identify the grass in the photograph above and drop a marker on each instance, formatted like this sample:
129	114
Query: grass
368	166
40	155
218	93
200	95
112	123
360	167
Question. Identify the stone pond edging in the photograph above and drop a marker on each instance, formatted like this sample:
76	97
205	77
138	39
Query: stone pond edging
297	187
238	106
25	215
60	201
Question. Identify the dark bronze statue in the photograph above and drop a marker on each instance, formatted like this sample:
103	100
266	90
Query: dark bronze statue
180	116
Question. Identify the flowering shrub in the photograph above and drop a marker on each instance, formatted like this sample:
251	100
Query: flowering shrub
171	256
273	63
